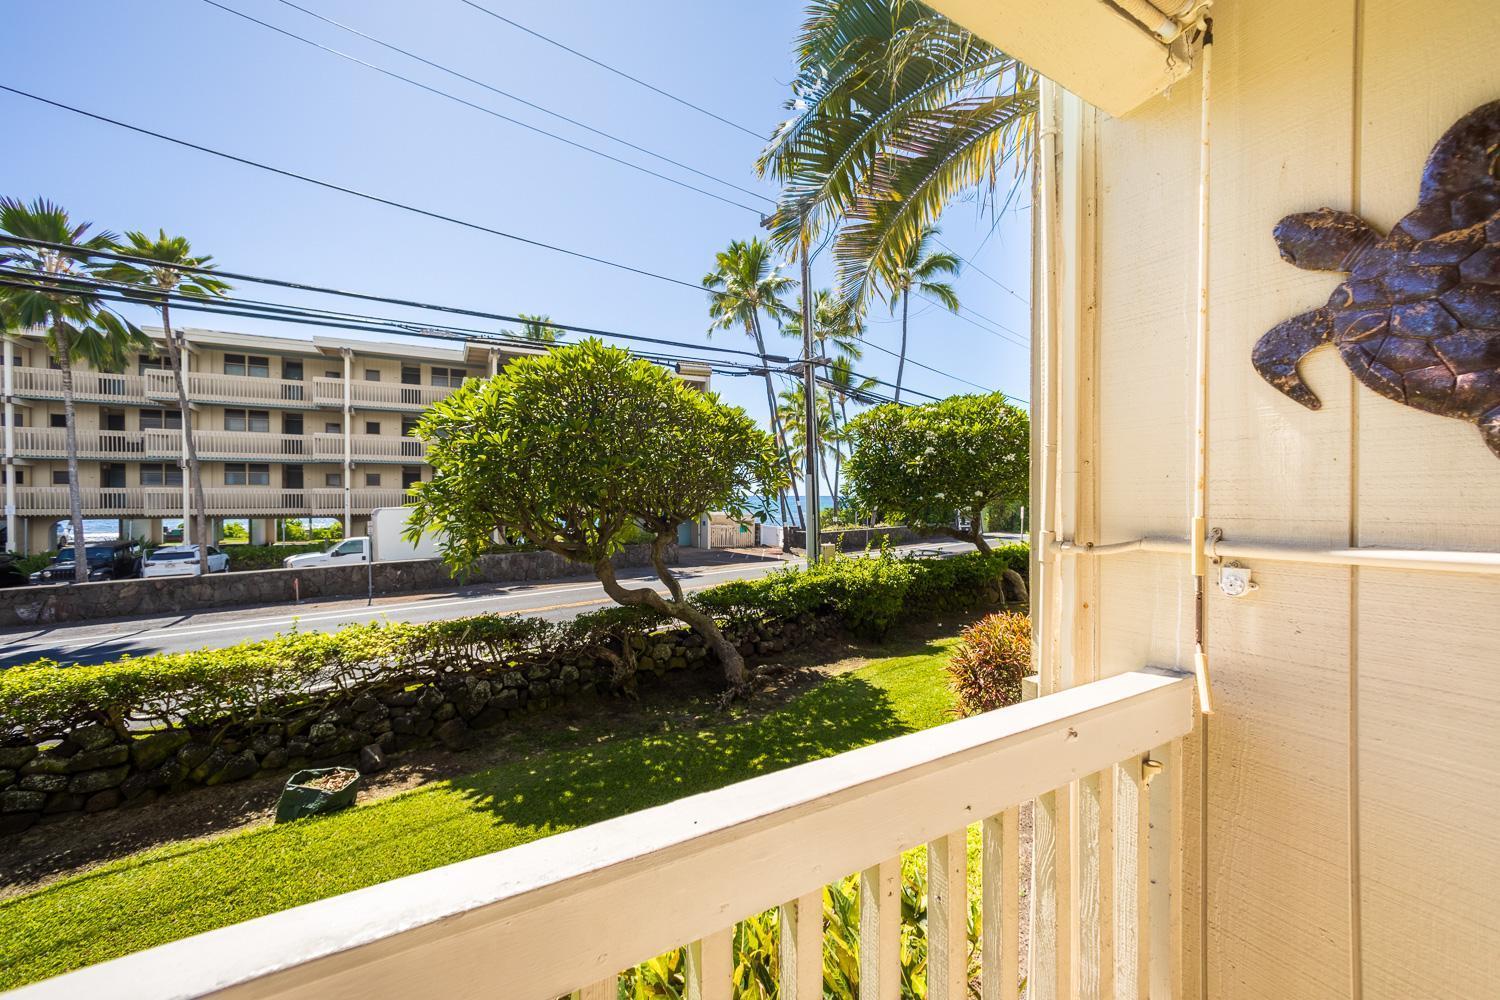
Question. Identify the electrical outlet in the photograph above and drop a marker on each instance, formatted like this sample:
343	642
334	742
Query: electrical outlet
1234	580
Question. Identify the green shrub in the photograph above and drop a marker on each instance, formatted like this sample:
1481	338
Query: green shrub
266	678
992	657
246	557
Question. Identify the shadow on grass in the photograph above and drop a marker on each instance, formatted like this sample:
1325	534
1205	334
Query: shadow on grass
586	785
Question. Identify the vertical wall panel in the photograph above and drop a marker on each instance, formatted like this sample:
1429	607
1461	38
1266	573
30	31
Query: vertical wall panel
1428	688
1277	854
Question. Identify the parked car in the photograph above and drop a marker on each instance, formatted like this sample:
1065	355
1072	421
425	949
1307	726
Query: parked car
386	542
106	561
182	560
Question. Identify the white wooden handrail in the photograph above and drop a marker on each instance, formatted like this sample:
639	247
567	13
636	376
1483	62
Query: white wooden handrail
570	911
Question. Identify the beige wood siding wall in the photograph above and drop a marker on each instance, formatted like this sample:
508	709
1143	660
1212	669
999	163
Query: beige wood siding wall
1348	840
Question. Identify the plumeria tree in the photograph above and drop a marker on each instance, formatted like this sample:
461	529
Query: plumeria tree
49	287
929	466
576	450
166	265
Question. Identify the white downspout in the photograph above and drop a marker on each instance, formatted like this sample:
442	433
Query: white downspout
11	539
1198	530
348	476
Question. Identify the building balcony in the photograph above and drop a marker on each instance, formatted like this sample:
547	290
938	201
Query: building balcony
219	501
368	448
1100	766
88	387
52	443
232	390
378	395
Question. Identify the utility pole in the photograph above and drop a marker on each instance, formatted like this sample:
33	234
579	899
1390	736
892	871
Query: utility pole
812	446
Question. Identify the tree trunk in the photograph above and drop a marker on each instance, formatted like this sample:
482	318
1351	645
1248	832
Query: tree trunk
194	470
699	621
760	347
901	358
75	492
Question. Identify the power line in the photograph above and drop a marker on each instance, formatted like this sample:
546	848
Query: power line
981	271
618	72
383	299
977	325
329	185
481	108
939	371
521	100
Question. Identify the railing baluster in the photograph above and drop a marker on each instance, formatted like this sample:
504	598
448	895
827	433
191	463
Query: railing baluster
604	989
948	917
1000	917
802	948
880	931
1096	885
710	964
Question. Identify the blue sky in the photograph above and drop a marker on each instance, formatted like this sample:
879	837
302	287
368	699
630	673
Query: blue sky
189	70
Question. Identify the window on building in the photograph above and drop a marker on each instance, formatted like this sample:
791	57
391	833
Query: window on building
258	421
112	420
59	477
159	363
20	418
291	370
333	428
161	420
411	374
449	376
333	374
291	477
372	374
372	426
57	420
334	479
408	426
247	474
410	478
161	474
372	479
247	364
19	475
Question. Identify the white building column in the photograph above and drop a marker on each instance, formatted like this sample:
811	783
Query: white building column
182	458
348	477
494	362
12	531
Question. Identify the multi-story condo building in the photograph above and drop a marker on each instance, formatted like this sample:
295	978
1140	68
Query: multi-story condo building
285	428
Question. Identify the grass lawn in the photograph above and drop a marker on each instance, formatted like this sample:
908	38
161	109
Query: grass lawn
169	893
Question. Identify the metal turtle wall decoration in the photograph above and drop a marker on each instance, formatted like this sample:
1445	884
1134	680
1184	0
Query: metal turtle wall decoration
1418	319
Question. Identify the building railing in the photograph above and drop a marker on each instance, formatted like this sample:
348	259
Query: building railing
567	913
52	442
215	387
88	387
370	448
219	501
378	395
248	445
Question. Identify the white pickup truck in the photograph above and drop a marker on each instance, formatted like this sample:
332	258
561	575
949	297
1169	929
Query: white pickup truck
385	543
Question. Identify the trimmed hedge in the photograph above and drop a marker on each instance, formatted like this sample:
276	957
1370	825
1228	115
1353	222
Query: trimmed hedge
256	682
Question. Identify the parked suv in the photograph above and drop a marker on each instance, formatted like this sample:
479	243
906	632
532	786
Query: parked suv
107	561
182	560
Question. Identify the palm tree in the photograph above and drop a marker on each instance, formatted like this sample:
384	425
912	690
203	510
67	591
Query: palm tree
791	420
167	265
46	291
846	386
837	329
539	329
896	110
744	284
914	271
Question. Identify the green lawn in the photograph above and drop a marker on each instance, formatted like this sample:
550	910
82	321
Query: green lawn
170	893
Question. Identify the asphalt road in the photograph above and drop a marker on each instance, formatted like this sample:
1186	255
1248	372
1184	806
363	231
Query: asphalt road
97	642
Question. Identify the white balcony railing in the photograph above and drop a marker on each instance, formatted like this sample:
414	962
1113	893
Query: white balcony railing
569	912
52	442
370	448
378	395
215	387
252	446
219	501
88	387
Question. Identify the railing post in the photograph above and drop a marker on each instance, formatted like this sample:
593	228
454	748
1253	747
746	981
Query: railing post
880	931
1000	914
348	476
710	966
948	917
11	533
801	932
